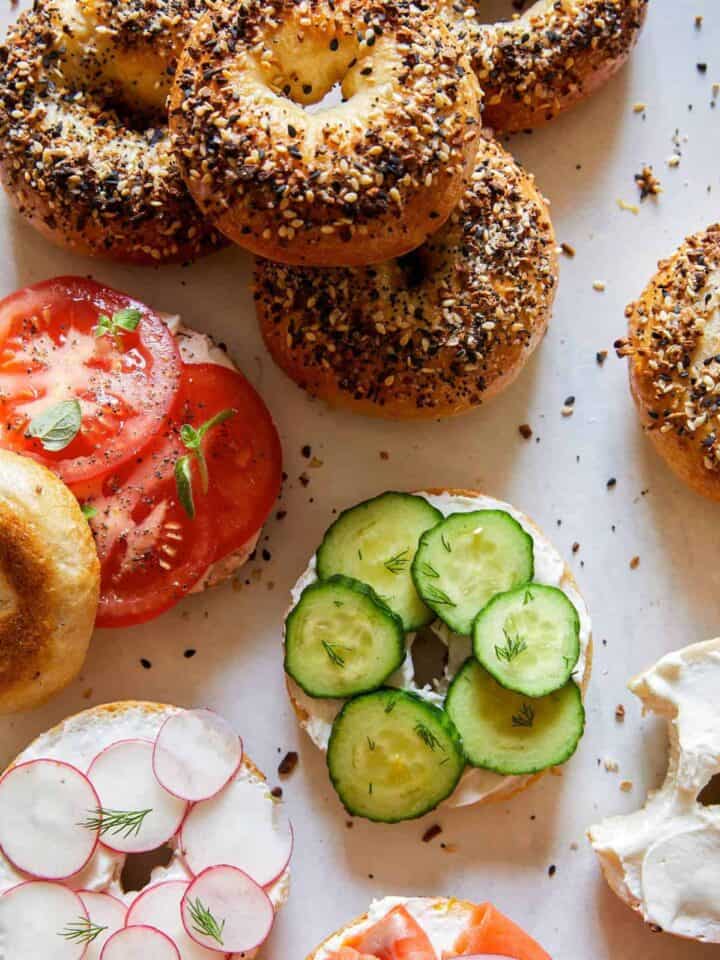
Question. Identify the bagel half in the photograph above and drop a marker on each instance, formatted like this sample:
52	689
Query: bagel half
476	785
49	584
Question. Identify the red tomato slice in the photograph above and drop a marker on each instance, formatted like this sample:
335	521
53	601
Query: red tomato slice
398	936
49	353
243	454
490	932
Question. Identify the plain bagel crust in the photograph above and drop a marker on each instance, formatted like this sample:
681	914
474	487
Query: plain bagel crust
353	184
85	154
49	584
554	55
512	785
673	345
434	333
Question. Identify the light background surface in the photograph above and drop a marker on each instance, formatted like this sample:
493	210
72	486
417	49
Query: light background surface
584	162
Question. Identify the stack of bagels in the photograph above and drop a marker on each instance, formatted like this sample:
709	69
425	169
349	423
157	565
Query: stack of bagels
408	264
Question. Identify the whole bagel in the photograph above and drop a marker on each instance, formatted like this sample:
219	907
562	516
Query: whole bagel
49	584
508	786
436	332
554	55
85	154
673	345
352	184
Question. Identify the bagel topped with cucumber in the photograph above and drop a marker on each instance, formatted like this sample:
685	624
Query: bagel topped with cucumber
172	454
482	579
124	779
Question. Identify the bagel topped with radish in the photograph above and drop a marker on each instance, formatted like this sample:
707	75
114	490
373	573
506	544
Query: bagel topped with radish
124	779
171	452
457	569
429	928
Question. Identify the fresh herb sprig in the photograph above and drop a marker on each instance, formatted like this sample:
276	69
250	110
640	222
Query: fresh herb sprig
398	563
57	427
525	718
122	321
204	922
192	438
428	737
514	646
82	930
331	649
126	823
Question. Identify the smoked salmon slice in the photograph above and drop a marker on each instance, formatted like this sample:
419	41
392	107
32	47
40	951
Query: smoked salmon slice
396	937
490	932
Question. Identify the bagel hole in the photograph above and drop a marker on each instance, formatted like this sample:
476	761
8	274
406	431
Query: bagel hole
709	796
494	11
332	98
136	873
430	657
414	269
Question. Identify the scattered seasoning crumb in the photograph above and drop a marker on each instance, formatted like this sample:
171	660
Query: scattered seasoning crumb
525	431
145	663
574	846
648	184
567	410
612	482
304	479
601	357
190	653
570	401
673	161
276	792
288	763
349	824
698	21
635	563
639	107
281	514
266	555
629	207
384	455
315	463
306	451
626	786
612	766
701	67
567	249
552	870
449	847
575	547
87	693
599	285
620	713
434	831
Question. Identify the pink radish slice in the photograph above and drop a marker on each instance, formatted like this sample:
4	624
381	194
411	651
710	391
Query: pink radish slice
224	909
104	911
43	804
139	943
123	777
196	754
242	827
159	906
37	920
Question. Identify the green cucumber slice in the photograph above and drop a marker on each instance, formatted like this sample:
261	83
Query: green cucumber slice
508	732
340	639
393	756
375	543
528	639
466	559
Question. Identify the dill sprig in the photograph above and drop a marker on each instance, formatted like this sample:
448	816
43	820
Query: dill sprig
428	737
126	823
204	922
331	650
434	594
398	563
82	930
514	646
525	718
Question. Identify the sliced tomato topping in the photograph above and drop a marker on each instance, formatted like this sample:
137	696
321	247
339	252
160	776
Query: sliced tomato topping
123	383
398	936
490	932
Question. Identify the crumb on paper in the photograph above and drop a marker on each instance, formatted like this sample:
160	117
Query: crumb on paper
567	249
525	431
647	183
434	831
629	207
626	786
288	763
612	766
673	161
384	455
635	563
599	285
315	463
620	713
639	107
601	357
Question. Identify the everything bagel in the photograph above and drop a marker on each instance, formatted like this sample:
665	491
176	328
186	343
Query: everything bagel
348	185
548	59
436	332
84	150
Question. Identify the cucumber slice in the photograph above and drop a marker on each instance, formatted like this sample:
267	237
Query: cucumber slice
528	639
468	558
375	543
510	733
393	756
341	640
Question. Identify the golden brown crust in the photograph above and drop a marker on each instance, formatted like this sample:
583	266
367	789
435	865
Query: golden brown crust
433	334
355	184
512	787
673	344
548	59
49	584
85	154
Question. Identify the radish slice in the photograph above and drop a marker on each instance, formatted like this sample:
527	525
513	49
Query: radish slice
159	906
225	910
40	919
139	943
43	804
196	754
137	813
106	912
242	827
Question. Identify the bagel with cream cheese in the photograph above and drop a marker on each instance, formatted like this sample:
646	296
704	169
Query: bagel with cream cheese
432	928
122	779
352	184
85	154
673	348
318	715
549	58
49	584
433	333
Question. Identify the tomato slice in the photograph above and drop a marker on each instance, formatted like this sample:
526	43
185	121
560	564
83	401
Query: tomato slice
49	354
398	936
243	453
152	552
490	932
